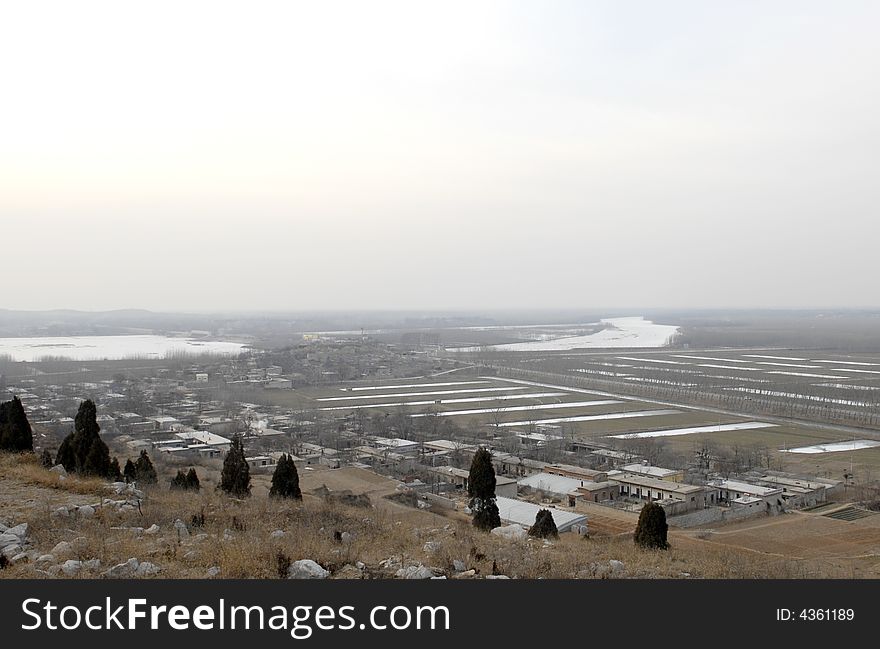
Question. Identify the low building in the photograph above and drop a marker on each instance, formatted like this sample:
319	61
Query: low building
520	512
645	488
261	463
737	492
574	471
398	445
643	468
459	477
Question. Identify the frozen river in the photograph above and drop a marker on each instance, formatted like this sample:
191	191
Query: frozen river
90	348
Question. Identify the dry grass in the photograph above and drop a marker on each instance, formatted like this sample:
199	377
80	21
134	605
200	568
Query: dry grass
236	538
26	468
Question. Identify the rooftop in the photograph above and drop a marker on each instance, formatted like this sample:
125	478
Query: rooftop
523	513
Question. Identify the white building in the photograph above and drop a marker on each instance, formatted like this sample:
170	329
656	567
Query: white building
519	512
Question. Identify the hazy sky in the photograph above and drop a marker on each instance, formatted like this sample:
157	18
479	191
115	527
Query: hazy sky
295	155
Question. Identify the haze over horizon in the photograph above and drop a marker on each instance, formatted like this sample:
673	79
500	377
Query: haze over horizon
194	156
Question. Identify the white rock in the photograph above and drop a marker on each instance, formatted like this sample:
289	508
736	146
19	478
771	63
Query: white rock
85	511
213	571
510	532
152	529
440	577
497	577
19	530
92	564
181	528
306	569
414	572
71	567
61	512
18	558
126	569
459	566
45	558
59	469
616	566
431	547
277	534
146	569
228	535
7	539
62	548
360	565
11	550
346	537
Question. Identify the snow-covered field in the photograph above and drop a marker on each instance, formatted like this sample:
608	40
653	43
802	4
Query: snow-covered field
746	425
506	397
776	358
845	386
738	368
610	415
397	395
414	385
835	447
652	360
93	348
796	365
618	332
711	358
546	406
812	376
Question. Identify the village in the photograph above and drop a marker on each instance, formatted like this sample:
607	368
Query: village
188	416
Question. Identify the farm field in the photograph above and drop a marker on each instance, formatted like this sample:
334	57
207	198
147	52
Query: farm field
489	407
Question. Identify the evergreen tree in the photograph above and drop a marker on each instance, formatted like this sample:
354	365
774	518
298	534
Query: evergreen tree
652	528
188	481
46	459
235	479
115	472
97	461
144	473
129	472
285	480
545	526
192	480
481	490
178	481
65	456
83	450
15	429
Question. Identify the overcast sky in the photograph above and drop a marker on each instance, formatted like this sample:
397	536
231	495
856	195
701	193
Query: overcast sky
296	155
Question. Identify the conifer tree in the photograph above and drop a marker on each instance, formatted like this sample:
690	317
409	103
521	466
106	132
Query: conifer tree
83	450
129	472
481	490
651	531
192	480
235	478
15	429
545	526
65	456
115	473
144	472
285	480
178	482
